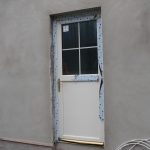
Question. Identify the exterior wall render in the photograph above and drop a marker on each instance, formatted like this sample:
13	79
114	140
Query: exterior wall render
5	145
26	64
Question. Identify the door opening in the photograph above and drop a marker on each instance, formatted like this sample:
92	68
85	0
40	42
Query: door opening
78	90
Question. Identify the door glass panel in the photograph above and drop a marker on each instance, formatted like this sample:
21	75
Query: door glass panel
89	61
70	62
70	36
87	37
88	33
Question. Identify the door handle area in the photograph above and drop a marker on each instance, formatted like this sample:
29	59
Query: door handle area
58	85
61	81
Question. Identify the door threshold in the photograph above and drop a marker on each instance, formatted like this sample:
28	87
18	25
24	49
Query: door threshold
82	142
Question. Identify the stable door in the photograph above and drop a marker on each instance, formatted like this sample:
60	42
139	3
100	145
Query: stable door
79	83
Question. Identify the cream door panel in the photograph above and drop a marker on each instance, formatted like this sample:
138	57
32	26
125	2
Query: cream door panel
78	111
78	103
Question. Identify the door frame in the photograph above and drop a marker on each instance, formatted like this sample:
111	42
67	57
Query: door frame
94	14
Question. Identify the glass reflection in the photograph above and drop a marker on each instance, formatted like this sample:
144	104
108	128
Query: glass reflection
70	36
89	61
88	33
70	62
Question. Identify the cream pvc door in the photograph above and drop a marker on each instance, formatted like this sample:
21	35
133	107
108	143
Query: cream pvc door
78	83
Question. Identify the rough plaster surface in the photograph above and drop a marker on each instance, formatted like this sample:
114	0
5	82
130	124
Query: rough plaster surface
4	145
25	109
26	70
126	37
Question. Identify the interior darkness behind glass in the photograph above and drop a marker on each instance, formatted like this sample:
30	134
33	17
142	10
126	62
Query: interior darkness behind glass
70	38
89	62
88	33
88	56
70	62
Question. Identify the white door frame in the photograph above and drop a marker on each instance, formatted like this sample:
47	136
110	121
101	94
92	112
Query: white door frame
78	17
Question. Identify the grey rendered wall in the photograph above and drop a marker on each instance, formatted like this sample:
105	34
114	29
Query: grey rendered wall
25	81
126	37
5	145
26	69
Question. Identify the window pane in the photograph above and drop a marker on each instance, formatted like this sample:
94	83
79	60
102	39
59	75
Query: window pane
89	61
88	34
70	62
70	36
